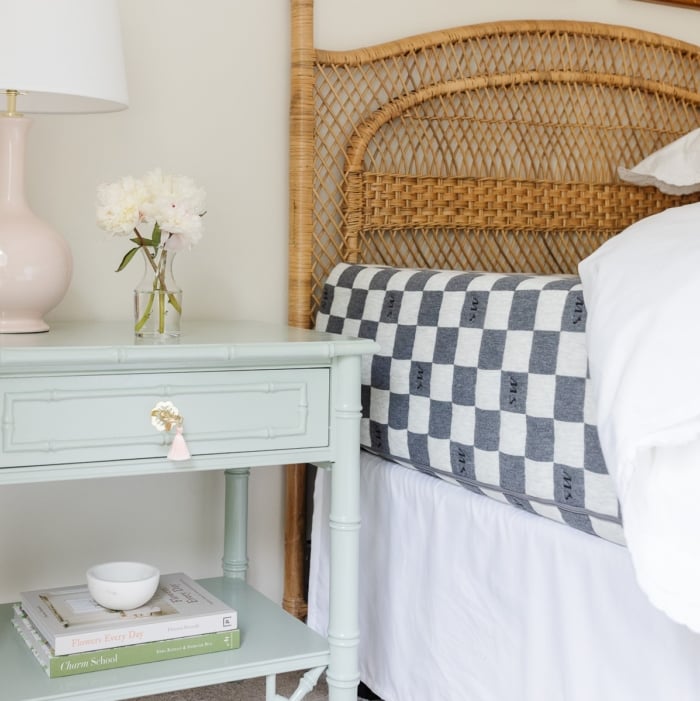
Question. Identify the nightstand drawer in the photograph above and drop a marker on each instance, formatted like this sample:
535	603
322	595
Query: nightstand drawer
98	418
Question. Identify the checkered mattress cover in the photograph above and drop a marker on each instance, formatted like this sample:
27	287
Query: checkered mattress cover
481	380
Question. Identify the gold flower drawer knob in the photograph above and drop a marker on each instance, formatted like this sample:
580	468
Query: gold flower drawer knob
165	416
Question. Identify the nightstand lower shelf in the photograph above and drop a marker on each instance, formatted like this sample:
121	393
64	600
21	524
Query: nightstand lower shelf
272	641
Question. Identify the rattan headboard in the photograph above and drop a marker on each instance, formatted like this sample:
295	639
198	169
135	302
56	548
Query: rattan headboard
489	147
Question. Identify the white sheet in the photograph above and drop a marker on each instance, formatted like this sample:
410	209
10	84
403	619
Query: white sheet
642	290
463	598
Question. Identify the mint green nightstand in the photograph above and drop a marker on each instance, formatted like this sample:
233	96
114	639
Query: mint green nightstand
76	403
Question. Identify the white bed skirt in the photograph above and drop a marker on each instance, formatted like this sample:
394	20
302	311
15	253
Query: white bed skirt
463	598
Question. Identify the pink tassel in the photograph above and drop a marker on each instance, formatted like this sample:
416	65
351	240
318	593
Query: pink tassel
178	449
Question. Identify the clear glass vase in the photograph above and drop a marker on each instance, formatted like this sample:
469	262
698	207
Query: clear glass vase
158	300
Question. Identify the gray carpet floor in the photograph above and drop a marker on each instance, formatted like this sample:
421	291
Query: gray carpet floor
249	690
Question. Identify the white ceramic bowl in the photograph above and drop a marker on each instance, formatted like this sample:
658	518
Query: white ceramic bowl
122	585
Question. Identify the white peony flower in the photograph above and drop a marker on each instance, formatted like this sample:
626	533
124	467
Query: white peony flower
169	194
120	205
163	212
185	230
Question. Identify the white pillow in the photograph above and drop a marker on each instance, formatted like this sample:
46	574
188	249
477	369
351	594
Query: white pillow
674	169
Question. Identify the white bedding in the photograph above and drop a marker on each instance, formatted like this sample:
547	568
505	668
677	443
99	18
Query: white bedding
642	290
463	598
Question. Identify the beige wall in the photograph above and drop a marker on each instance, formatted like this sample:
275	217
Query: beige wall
190	63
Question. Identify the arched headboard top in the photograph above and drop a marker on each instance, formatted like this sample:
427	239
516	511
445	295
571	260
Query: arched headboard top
527	33
491	146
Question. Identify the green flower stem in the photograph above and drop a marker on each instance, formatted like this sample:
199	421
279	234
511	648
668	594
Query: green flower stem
159	288
163	287
161	312
150	257
146	314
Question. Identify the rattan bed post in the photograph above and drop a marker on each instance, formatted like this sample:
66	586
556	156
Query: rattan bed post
300	232
353	217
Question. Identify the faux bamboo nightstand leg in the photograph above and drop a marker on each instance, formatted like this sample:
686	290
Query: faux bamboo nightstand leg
235	560
343	627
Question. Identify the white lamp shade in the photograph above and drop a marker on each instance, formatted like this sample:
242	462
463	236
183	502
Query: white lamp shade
64	56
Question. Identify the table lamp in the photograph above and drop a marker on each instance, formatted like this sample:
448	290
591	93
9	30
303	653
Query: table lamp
56	56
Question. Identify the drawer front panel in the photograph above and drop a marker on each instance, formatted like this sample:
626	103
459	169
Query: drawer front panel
68	419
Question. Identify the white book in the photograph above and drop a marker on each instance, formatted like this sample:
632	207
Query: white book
123	656
71	621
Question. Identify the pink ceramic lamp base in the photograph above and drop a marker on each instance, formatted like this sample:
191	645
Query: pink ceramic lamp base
35	276
35	261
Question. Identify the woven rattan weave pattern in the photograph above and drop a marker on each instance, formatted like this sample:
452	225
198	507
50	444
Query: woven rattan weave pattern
489	147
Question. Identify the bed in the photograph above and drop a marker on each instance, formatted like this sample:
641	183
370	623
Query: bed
467	163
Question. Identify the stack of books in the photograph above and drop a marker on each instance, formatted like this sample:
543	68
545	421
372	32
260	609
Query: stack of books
71	634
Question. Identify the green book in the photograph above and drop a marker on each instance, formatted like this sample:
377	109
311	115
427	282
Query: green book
122	656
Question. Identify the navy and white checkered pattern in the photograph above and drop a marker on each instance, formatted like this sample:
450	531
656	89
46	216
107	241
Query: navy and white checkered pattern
481	379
